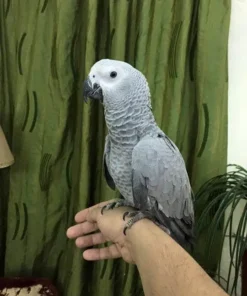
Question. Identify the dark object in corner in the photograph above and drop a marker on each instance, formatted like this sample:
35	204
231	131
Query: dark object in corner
21	282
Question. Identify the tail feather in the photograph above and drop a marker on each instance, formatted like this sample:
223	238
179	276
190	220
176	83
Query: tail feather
181	231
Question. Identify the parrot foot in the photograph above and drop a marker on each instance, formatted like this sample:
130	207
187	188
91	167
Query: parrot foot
137	216
116	204
130	214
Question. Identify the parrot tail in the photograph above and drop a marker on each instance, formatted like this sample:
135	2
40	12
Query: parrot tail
182	230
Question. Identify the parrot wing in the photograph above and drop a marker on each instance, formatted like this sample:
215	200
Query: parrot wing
107	174
161	185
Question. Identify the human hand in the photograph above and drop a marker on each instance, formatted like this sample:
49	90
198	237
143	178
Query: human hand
110	226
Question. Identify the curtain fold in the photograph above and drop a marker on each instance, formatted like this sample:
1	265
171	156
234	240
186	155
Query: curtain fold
46	51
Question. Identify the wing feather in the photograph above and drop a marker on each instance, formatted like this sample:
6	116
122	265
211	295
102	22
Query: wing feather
159	176
107	174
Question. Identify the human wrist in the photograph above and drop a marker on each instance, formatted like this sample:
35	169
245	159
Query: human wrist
159	257
139	237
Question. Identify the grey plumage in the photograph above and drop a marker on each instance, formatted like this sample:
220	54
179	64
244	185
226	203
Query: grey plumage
139	159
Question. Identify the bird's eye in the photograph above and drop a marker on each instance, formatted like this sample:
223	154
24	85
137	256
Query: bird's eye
113	74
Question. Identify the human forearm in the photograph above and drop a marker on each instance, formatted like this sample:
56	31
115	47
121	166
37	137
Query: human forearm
165	268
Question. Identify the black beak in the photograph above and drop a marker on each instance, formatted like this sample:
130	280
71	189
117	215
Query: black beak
92	91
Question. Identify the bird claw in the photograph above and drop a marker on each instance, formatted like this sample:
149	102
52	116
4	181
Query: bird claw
109	206
125	214
115	205
125	229
102	210
137	216
130	214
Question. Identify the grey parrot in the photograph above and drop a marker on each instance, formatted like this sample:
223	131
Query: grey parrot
139	159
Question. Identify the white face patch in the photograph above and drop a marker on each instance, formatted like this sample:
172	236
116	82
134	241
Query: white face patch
119	81
109	74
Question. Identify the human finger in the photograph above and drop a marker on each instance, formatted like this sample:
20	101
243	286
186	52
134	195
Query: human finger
82	215
81	229
90	240
110	252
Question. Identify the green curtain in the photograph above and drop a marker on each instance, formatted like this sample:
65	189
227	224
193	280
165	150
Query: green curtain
47	48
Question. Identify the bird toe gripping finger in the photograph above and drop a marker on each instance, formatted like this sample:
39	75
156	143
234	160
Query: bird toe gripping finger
130	214
125	214
109	206
102	210
115	205
135	216
123	203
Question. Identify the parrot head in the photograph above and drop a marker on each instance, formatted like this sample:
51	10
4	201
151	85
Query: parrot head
114	83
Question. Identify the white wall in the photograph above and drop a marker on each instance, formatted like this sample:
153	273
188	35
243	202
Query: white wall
237	101
237	108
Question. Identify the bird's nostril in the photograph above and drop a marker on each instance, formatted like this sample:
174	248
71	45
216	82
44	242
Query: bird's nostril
95	86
